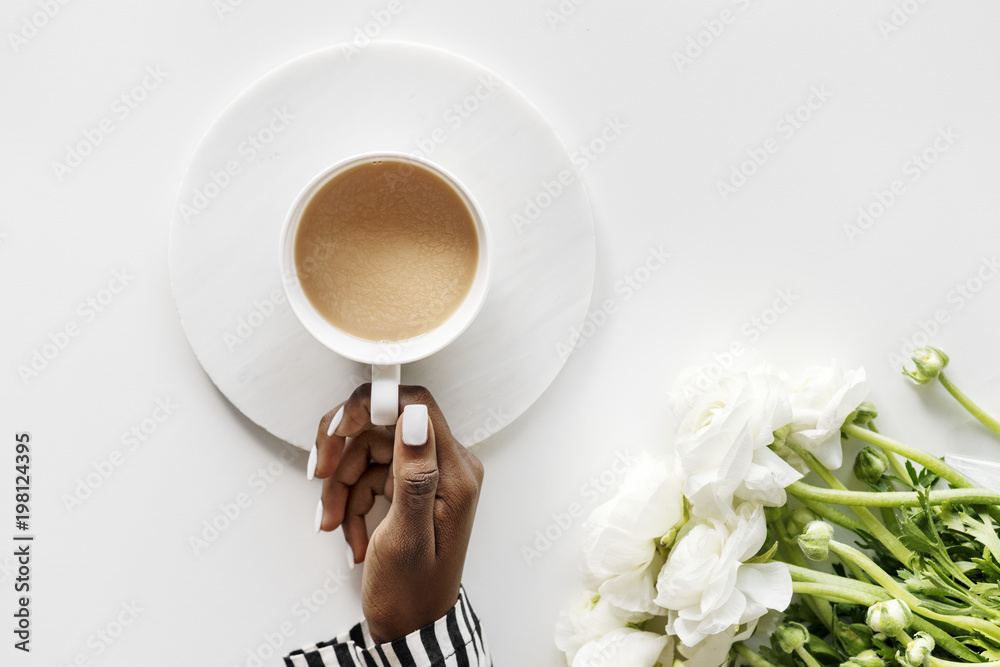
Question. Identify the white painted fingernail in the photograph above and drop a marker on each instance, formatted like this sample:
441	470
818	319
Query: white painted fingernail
349	552
311	464
319	515
415	425
335	422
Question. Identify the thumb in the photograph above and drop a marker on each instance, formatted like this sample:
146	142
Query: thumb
415	471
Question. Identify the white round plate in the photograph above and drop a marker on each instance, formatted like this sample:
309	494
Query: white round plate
391	96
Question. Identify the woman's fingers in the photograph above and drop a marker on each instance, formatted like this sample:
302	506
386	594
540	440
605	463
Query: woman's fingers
351	418
359	503
326	442
375	445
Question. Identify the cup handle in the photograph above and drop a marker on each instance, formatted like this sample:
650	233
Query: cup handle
385	395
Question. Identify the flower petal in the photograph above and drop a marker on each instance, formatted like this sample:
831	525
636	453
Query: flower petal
766	584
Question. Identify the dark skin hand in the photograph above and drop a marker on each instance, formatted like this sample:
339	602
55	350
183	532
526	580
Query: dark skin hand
414	558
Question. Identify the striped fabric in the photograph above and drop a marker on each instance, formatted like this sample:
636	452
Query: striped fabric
456	640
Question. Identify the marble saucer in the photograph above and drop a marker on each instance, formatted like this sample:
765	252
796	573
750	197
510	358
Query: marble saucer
389	96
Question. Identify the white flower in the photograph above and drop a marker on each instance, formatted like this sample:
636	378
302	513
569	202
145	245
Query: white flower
619	546
706	585
626	647
722	444
713	651
820	405
588	619
758	393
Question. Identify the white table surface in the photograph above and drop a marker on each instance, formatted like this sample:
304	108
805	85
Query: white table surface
887	96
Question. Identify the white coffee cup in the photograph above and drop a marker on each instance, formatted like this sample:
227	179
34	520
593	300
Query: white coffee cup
385	357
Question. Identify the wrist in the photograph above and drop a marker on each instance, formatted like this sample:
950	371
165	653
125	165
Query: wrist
394	623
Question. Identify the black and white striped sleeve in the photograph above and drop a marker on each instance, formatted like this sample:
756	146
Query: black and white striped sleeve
454	640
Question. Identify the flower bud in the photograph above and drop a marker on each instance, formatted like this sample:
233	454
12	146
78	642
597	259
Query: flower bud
929	362
799	519
670	536
791	636
778	446
853	641
775	513
815	540
870	465
917	651
867	658
889	617
865	414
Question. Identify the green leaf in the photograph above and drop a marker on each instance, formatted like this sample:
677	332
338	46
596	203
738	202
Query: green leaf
823	651
766	556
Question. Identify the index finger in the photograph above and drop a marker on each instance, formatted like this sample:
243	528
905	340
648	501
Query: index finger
352	418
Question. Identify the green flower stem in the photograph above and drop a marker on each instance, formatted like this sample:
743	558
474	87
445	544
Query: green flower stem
985	418
820	607
892	498
754	658
833	515
832	593
945	640
869	594
938	662
806	657
873	525
893	587
808	575
903	638
856	571
935	465
897	465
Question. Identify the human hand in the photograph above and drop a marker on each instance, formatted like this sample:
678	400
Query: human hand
414	558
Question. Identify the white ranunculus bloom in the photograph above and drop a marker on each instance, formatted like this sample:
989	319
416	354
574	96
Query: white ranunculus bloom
820	405
707	586
626	647
722	444
588	619
619	546
713	651
757	393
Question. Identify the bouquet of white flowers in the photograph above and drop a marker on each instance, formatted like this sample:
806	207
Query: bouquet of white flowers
692	552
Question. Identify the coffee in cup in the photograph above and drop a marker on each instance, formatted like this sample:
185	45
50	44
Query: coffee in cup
385	260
